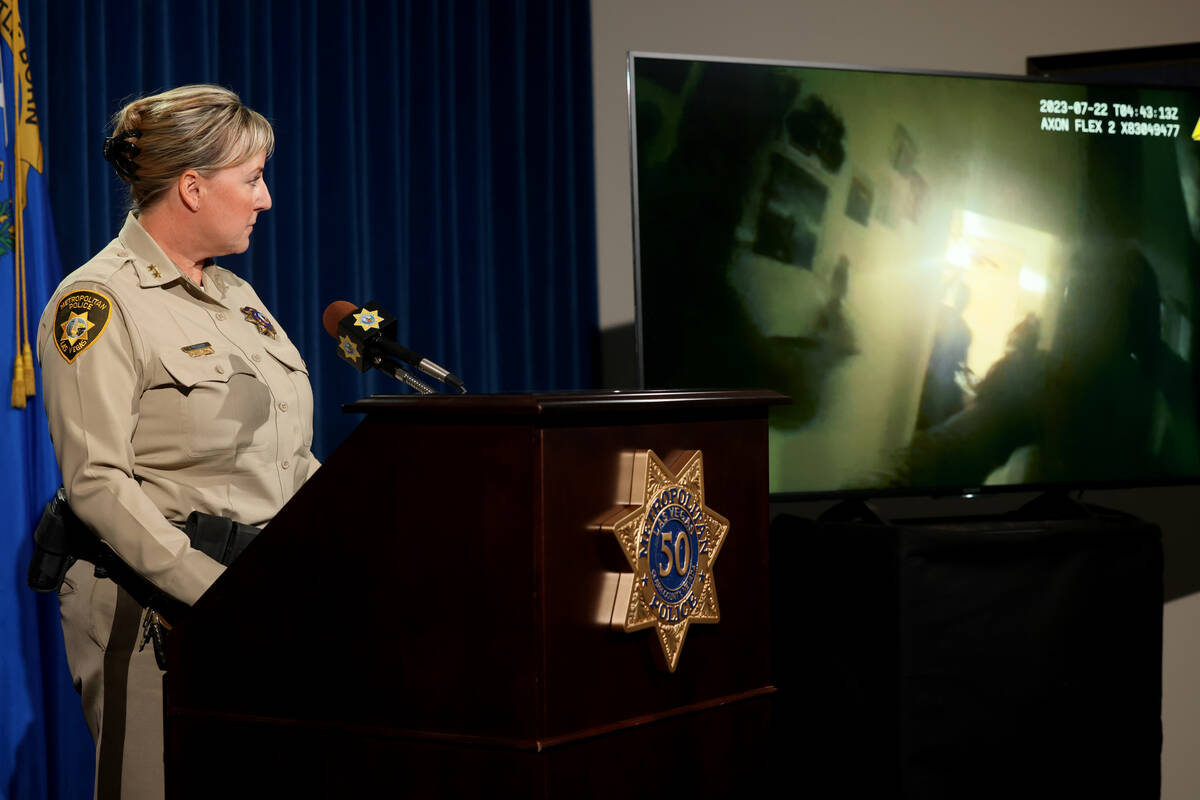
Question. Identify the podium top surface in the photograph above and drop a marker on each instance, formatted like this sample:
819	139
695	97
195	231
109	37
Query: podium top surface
565	404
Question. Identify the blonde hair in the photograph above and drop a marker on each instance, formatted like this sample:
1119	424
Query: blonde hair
157	138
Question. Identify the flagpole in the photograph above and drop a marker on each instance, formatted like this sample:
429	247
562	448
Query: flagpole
18	381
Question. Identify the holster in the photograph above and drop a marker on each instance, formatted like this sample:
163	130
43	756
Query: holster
218	537
61	539
54	550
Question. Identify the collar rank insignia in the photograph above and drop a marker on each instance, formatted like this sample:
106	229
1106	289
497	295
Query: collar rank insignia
79	320
367	319
260	321
671	540
348	349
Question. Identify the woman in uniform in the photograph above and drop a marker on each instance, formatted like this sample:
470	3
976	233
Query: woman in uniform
169	387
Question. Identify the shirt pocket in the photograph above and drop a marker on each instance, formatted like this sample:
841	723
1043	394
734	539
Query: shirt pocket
297	372
217	400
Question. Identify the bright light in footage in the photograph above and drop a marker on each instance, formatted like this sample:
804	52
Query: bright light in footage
974	224
1031	281
959	253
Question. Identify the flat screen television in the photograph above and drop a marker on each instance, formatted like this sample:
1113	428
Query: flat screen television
963	282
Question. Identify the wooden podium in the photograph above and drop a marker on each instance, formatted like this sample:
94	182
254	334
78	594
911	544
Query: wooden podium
430	614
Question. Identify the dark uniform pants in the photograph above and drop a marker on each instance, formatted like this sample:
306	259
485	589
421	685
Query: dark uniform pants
121	686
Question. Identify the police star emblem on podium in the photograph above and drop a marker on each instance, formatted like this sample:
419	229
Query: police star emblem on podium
671	539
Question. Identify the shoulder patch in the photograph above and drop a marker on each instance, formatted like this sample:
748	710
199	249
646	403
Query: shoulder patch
79	320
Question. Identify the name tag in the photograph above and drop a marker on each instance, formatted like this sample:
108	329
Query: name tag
198	349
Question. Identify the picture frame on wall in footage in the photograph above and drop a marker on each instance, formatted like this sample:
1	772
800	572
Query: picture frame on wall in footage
964	282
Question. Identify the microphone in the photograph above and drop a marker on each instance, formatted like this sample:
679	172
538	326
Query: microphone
367	334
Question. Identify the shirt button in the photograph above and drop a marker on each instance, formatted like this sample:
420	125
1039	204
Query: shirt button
255	357
283	405
285	464
220	316
220	370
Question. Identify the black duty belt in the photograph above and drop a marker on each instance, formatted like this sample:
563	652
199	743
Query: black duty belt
61	539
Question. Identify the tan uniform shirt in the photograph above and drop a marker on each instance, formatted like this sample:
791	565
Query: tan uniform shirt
196	391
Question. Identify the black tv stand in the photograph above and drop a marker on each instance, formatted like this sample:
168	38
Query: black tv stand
1016	655
852	510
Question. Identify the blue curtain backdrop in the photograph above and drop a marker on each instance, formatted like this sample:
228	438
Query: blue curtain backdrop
434	156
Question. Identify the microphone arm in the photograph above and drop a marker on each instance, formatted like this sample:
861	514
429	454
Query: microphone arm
420	362
401	374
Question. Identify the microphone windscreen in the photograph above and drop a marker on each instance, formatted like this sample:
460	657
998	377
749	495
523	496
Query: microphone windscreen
335	312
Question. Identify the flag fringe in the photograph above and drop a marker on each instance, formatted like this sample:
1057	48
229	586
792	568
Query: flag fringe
18	384
27	364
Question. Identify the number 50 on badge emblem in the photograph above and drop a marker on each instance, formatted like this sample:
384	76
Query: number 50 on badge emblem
670	539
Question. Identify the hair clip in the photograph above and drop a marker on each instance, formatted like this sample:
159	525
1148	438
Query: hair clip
120	152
